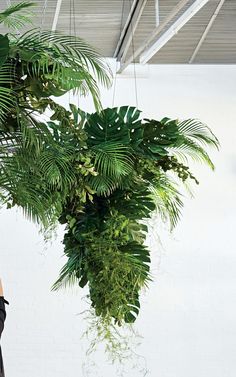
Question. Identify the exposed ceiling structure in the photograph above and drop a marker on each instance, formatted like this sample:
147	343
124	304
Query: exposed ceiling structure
148	31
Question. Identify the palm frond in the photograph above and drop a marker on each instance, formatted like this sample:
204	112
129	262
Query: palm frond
112	159
193	137
186	148
17	16
103	185
56	166
7	96
199	132
69	62
36	172
167	199
69	272
23	189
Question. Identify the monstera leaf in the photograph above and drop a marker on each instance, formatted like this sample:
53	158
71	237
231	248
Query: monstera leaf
139	255
137	202
158	136
124	125
120	125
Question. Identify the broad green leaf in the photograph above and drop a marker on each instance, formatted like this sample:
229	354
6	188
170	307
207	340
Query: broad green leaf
4	48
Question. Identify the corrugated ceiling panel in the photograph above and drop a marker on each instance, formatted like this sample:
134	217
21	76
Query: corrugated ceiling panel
181	47
220	43
165	7
99	22
146	27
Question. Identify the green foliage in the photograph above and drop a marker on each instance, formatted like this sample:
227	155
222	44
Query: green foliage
108	126
40	64
33	174
33	67
7	97
55	64
101	174
193	137
105	234
17	16
4	49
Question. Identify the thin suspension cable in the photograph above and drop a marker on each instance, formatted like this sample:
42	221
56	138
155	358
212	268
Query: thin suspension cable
75	34
73	17
43	15
134	64
115	78
70	32
72	29
74	24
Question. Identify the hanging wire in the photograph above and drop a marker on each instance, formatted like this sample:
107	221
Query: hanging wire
70	33
72	29
73	13
115	77
70	20
75	34
134	63
43	15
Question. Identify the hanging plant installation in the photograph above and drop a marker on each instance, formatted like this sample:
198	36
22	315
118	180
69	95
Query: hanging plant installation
123	168
101	174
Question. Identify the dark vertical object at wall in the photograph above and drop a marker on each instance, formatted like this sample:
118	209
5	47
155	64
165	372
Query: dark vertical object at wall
2	321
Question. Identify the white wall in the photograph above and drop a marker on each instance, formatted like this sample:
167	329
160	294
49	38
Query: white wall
188	315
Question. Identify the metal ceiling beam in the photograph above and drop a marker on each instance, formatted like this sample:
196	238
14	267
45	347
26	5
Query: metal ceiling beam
129	28
204	35
180	6
172	30
56	15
